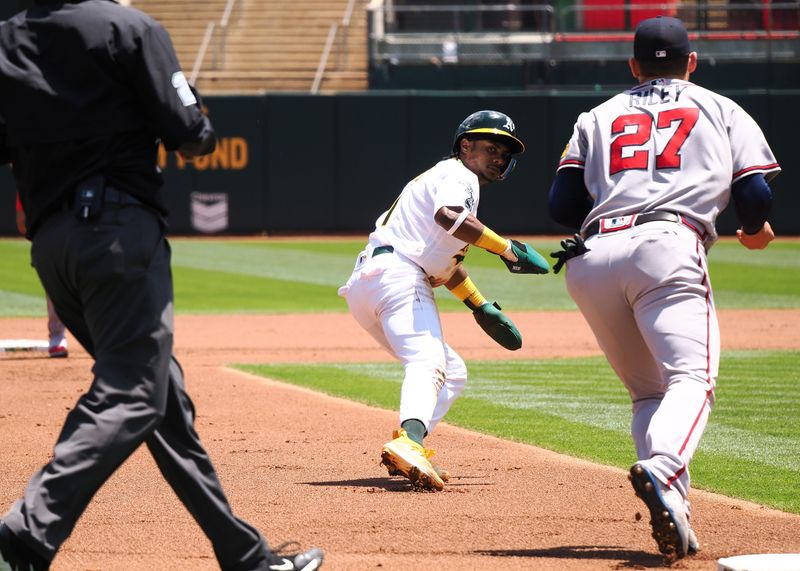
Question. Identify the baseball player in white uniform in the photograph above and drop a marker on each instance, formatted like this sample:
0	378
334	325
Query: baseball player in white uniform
419	244
644	177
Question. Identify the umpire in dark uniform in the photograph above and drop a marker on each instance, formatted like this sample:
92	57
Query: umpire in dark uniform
87	89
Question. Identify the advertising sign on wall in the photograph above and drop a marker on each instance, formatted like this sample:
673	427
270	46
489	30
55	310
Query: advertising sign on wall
298	163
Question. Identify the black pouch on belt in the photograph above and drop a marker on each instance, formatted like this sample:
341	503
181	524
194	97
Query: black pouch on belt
89	197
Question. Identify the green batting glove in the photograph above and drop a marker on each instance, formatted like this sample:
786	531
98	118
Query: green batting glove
529	261
498	326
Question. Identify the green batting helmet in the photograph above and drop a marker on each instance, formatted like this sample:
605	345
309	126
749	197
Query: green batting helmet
491	124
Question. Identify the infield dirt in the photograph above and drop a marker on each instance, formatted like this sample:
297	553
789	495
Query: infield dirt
300	465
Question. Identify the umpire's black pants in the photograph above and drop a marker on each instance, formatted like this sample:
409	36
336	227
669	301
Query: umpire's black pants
111	284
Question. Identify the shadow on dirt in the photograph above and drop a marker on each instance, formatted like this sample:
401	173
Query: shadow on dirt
627	558
385	484
394	484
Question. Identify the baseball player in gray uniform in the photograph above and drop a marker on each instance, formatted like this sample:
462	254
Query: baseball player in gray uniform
644	177
419	244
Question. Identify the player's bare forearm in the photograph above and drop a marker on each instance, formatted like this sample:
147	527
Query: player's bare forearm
469	230
757	241
461	286
519	257
458	277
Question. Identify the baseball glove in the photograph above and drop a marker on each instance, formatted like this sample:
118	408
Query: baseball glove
498	326
529	261
570	248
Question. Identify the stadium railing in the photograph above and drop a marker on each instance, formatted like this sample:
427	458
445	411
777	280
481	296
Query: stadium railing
218	50
401	33
340	32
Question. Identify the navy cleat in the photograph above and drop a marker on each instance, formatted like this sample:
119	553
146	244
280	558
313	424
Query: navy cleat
668	517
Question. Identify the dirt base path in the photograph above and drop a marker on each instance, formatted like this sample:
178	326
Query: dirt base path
299	465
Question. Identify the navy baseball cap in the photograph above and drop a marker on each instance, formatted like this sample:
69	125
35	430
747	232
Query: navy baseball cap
660	38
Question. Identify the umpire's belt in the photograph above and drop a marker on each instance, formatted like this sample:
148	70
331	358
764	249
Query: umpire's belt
114	196
616	223
110	196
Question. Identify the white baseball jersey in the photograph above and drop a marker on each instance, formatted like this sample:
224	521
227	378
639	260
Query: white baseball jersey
391	296
409	225
668	145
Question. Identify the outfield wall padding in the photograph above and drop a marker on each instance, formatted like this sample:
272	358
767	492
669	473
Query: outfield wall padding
297	163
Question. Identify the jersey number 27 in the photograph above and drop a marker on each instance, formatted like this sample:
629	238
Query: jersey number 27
669	158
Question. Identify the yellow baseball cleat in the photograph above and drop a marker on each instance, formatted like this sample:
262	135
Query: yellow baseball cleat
404	457
443	472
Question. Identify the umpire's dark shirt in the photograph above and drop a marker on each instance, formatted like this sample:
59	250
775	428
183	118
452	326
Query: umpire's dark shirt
88	87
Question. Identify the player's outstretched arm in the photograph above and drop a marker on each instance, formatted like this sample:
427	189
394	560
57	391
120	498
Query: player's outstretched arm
519	257
757	241
752	198
488	315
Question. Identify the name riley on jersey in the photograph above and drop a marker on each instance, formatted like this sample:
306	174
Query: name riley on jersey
656	94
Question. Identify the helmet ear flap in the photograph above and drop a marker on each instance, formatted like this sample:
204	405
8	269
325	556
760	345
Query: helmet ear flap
512	162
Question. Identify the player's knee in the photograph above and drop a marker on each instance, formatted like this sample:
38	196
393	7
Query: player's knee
456	371
426	371
455	377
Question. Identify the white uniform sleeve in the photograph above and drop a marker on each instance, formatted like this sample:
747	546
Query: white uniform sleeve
750	152
454	190
574	155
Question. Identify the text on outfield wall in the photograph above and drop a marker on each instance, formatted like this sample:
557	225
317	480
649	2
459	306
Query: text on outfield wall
231	154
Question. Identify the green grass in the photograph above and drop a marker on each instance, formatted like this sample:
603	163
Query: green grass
574	406
21	292
751	448
280	276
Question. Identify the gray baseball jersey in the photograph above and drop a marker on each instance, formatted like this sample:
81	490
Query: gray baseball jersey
644	289
670	145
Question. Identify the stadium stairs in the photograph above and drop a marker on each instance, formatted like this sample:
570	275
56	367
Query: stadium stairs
269	45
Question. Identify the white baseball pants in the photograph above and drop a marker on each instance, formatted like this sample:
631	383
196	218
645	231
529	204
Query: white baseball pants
392	299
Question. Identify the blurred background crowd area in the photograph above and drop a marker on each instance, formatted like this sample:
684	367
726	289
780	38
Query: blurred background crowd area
244	46
342	101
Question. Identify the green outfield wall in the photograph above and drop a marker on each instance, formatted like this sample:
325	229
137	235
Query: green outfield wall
289	163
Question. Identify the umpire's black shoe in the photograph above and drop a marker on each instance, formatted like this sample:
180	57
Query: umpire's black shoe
307	561
16	556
